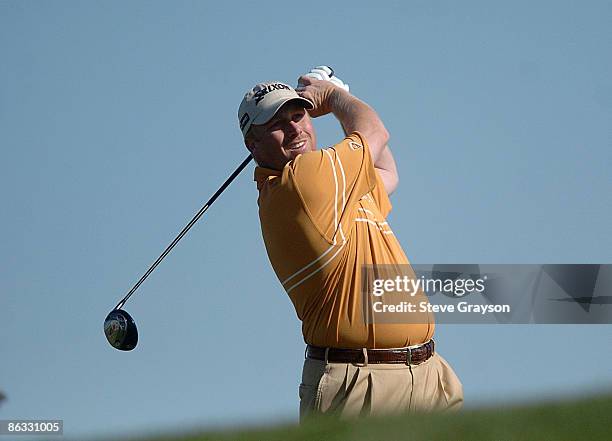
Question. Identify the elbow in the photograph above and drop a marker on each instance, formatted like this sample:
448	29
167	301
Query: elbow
393	184
383	136
378	140
379	143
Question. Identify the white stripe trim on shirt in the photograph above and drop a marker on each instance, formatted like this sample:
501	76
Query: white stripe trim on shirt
318	269
331	161
343	193
378	225
307	266
297	273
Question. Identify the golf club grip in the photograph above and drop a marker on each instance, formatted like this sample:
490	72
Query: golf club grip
185	230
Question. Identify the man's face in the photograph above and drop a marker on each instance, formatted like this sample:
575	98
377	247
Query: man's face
281	139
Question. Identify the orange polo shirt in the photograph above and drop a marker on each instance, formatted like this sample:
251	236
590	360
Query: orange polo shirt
322	218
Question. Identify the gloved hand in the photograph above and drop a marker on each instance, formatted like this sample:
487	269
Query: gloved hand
326	73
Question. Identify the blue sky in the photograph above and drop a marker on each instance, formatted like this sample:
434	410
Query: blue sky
118	121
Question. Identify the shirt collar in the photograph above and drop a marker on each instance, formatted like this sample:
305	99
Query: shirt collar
262	175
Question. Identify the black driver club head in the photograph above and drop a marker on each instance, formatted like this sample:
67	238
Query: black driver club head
120	330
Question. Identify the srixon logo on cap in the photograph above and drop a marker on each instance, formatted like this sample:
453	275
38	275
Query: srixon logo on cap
260	92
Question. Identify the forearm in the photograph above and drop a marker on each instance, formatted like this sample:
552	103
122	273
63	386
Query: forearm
356	116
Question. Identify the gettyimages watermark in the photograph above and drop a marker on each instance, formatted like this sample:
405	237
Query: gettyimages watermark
475	293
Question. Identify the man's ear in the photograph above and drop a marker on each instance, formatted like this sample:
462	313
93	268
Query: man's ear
249	141
250	145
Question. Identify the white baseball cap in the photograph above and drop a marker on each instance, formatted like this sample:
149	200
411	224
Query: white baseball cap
261	103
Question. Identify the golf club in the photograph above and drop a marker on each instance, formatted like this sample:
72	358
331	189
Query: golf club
119	326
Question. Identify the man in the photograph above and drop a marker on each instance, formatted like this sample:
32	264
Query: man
322	215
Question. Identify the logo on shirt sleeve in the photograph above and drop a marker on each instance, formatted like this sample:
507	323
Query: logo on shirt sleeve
354	145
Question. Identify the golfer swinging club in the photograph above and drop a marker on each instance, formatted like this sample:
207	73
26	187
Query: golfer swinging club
322	215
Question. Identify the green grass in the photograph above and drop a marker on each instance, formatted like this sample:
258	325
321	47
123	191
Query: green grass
575	420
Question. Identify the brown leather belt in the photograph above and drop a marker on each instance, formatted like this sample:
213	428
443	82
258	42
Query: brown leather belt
415	355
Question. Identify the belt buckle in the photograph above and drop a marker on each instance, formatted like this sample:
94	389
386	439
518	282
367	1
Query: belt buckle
408	356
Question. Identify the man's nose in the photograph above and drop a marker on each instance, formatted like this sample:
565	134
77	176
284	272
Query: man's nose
294	128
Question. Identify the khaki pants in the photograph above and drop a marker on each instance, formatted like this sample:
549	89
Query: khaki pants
348	390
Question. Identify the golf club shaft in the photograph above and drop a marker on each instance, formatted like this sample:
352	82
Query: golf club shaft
185	230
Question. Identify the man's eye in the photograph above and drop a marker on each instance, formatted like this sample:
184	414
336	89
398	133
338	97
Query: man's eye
297	117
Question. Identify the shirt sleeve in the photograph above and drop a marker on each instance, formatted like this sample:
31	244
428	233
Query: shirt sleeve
331	181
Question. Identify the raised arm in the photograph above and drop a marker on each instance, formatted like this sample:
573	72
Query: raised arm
353	114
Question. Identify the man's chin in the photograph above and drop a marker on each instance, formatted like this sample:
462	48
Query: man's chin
294	153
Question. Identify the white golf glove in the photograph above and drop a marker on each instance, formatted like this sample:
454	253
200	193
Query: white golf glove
326	73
